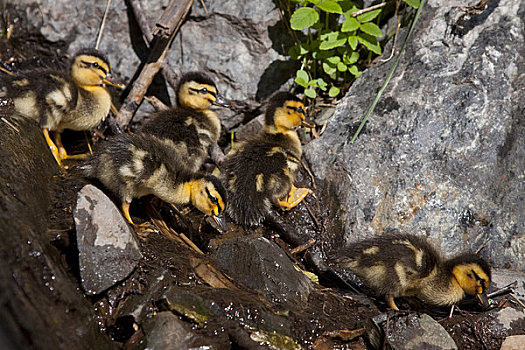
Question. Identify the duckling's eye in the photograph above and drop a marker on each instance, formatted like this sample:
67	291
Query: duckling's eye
213	199
95	64
203	91
469	275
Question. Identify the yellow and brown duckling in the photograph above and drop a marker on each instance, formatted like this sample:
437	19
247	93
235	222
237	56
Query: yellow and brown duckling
191	128
135	165
76	99
259	173
397	265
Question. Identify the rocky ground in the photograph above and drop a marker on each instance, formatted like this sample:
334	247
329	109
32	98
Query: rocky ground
442	156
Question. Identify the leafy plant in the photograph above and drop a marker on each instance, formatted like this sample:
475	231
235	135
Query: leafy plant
336	35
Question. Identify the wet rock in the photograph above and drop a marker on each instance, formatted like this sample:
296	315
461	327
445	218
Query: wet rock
42	307
443	154
514	342
262	265
511	320
108	250
412	331
502	278
165	331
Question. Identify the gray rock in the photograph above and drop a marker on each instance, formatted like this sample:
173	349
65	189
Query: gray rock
108	250
165	331
408	332
514	342
502	278
260	264
511	319
443	154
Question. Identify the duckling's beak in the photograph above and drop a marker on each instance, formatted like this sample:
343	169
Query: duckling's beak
110	83
219	219
221	101
307	124
483	300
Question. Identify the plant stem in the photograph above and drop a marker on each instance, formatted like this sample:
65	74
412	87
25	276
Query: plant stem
390	74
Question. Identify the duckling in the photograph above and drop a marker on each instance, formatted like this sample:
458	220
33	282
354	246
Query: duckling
191	128
259	173
59	100
135	165
397	265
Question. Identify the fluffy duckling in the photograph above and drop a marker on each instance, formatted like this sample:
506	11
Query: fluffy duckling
135	165
397	265
59	100
259	173
191	128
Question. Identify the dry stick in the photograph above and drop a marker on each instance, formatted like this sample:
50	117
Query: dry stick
102	24
6	71
157	104
398	20
303	246
165	31
309	174
516	298
168	72
357	13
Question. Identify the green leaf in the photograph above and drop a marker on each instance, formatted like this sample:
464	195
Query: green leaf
303	17
334	91
330	70
310	93
370	43
297	51
413	3
302	78
341	67
368	16
330	6
334	59
350	24
351	59
352	40
322	84
355	71
372	29
331	40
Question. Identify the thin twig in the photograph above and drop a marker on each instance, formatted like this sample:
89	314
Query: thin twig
316	222
157	104
312	179
204	6
371	8
102	24
396	15
516	298
87	142
10	124
482	245
451	310
6	71
303	246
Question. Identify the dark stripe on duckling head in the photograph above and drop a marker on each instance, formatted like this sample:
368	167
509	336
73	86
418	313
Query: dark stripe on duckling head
277	100
96	66
470	258
219	187
204	91
94	53
297	109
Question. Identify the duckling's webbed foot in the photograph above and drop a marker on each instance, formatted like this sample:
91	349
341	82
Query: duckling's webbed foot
294	197
391	303
287	232
62	151
52	147
125	211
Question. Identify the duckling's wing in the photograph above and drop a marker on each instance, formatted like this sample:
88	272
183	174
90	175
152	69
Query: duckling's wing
255	175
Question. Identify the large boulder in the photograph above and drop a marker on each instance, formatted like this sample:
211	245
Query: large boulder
443	154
